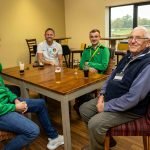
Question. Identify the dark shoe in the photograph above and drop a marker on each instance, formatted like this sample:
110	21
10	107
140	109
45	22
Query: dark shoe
86	147
112	142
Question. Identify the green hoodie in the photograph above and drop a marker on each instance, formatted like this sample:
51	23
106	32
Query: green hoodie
97	58
0	67
6	99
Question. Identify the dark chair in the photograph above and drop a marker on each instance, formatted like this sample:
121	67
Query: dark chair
66	54
138	127
32	46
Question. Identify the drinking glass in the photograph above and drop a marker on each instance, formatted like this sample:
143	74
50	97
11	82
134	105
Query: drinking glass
76	66
58	74
86	70
21	68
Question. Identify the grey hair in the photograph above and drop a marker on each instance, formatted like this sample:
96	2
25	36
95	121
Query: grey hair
147	32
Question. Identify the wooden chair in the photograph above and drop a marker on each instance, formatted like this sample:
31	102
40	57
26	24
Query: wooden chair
83	46
32	46
4	135
111	64
138	127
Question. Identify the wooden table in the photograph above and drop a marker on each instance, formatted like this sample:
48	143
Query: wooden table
112	41
43	82
59	39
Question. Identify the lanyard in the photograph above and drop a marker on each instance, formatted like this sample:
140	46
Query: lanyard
91	57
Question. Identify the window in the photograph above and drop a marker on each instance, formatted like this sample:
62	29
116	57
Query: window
124	18
144	16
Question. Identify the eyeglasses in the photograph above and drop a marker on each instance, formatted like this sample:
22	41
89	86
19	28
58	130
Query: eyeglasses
137	38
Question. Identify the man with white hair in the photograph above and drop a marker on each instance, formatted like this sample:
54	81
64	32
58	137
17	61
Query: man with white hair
125	95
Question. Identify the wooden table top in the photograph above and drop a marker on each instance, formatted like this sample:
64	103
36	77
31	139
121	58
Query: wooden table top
45	78
114	38
62	38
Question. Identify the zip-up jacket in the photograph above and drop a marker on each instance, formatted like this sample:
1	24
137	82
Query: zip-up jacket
98	60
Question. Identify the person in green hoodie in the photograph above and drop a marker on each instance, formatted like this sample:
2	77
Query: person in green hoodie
11	119
13	88
96	56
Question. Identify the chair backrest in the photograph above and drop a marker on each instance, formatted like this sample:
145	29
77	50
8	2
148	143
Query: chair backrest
66	54
32	45
66	50
111	64
83	46
122	46
138	127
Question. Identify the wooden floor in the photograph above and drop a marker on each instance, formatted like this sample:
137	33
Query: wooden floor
79	133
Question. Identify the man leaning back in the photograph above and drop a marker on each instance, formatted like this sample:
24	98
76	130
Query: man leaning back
125	95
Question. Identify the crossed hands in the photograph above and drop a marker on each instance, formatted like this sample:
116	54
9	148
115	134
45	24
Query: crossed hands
21	106
100	104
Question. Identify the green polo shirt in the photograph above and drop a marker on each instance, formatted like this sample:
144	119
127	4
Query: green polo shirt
97	58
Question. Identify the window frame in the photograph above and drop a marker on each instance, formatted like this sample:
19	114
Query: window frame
135	13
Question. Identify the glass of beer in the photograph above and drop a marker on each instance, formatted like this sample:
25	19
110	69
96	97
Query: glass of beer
86	70
58	74
76	66
21	68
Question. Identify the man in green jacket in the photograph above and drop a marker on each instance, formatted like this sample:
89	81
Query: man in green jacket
11	119
97	56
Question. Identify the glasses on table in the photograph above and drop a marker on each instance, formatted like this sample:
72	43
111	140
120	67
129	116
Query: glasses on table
75	66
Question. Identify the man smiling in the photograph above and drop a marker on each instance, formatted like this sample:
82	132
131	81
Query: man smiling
125	95
49	52
96	55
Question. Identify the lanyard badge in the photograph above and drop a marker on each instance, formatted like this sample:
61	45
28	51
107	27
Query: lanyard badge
119	76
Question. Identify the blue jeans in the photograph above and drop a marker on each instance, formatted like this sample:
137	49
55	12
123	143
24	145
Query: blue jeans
26	129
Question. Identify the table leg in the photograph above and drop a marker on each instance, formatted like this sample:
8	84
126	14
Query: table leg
66	124
72	59
113	44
